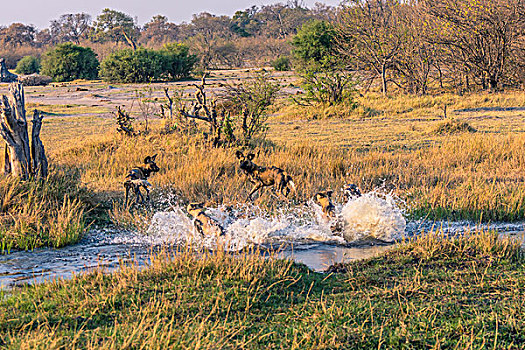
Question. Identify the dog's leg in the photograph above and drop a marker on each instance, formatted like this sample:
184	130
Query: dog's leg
147	193
126	186
254	189
140	198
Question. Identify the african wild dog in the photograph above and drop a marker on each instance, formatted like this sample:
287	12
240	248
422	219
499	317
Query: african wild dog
265	177
204	224
351	191
138	177
325	201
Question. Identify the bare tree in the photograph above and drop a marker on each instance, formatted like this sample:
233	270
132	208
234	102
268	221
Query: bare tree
17	34
70	27
478	35
160	31
371	36
21	159
206	110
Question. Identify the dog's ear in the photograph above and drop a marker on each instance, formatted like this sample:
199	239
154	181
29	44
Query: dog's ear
329	193
239	154
147	160
251	156
153	157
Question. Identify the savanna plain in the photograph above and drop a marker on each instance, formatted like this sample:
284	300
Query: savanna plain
465	161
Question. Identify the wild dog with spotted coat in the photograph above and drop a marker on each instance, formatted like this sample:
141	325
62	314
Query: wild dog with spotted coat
324	199
204	224
265	177
137	178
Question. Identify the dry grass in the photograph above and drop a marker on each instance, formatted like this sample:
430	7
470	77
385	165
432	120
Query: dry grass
35	214
475	177
387	143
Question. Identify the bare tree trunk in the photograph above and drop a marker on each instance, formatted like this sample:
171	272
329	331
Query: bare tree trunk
14	131
383	79
37	147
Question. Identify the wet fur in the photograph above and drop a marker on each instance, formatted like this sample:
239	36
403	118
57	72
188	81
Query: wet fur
265	177
137	178
351	191
324	199
204	224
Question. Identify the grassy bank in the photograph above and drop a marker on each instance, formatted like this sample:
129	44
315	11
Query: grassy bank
50	212
432	292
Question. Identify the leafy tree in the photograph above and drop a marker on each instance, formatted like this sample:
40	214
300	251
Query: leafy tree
177	61
115	26
244	23
313	45
159	30
17	34
323	78
70	27
132	66
28	65
67	62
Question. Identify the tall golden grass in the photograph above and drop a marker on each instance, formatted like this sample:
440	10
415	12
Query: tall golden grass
40	213
475	177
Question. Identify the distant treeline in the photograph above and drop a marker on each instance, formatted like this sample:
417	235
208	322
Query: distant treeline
413	45
250	37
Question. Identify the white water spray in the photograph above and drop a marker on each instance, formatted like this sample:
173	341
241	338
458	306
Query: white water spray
370	217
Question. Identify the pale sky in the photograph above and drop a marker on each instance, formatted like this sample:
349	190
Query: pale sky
40	12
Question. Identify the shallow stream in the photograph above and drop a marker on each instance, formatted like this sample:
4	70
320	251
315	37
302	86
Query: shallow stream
371	224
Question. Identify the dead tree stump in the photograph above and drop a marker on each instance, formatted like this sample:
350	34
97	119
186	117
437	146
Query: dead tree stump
21	159
5	75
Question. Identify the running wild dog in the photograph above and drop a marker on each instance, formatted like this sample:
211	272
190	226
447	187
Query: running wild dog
325	200
204	224
138	177
351	191
265	177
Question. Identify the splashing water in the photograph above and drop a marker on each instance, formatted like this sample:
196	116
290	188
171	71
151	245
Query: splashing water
370	217
373	216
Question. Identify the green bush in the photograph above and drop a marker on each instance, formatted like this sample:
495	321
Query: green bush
129	66
178	63
172	62
313	45
67	62
282	64
28	65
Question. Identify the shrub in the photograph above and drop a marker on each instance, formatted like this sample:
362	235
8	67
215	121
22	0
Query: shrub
67	62
129	66
28	65
313	45
178	63
282	64
172	62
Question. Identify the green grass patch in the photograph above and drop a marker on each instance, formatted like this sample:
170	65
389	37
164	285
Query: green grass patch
431	292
